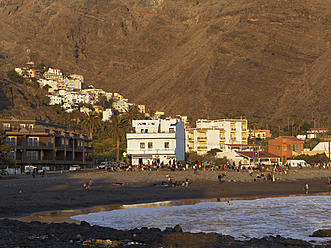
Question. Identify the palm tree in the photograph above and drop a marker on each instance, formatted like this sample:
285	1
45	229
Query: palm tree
132	113
117	130
254	124
324	121
279	122
91	123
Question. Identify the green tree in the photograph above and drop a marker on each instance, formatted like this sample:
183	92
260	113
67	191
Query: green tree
117	130
91	123
4	148
14	76
132	113
44	100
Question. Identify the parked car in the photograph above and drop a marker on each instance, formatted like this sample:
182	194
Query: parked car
102	165
74	168
28	169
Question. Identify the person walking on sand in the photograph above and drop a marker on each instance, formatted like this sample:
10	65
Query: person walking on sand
306	188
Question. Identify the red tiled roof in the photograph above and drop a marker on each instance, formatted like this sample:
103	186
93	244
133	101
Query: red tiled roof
257	154
241	145
291	138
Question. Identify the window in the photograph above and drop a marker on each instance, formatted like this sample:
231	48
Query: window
32	155
278	147
33	141
11	141
298	147
67	142
293	147
150	145
31	126
142	145
6	126
171	130
288	148
52	140
166	144
22	125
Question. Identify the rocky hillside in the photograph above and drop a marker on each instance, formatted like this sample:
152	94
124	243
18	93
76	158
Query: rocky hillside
192	57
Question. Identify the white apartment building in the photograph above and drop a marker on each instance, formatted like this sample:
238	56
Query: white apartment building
156	140
55	100
215	134
121	106
73	83
75	97
107	114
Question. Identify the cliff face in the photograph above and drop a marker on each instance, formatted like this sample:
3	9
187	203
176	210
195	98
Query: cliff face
197	58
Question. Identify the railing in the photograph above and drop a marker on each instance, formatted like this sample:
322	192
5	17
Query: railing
151	151
202	147
202	138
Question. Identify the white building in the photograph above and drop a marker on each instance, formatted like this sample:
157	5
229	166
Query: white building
75	97
121	106
73	83
107	114
156	140
323	147
55	100
214	134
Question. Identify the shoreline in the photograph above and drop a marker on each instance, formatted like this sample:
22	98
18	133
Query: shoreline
25	196
59	216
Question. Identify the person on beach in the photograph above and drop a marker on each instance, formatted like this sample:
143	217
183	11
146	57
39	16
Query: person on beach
306	188
230	204
90	183
329	181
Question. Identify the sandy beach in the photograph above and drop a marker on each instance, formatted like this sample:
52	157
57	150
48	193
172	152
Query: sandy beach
59	191
26	195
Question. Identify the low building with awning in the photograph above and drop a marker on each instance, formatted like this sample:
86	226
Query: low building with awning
255	157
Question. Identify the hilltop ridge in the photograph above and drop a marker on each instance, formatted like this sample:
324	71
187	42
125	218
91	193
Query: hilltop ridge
196	58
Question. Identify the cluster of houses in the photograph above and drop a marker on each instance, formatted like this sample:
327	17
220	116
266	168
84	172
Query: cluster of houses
68	92
159	139
165	141
155	140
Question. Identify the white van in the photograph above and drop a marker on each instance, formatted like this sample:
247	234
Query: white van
296	163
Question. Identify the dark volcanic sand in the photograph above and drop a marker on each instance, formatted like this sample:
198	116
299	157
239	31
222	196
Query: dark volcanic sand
26	195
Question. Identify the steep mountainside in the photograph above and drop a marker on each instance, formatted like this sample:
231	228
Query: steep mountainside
193	57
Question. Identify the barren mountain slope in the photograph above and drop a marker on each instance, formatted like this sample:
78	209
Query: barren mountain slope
198	58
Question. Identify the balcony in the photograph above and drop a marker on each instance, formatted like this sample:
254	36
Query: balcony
202	138
161	151
202	147
39	145
233	129
151	135
222	138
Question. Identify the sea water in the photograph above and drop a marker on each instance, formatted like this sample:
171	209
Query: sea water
293	217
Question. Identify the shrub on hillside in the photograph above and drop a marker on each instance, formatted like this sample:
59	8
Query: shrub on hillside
14	76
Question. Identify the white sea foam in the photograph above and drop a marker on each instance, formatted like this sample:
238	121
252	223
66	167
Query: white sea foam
295	217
